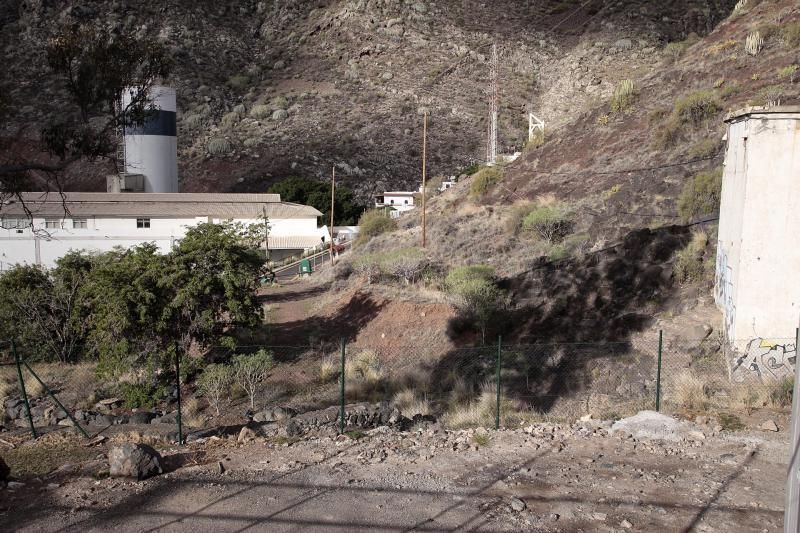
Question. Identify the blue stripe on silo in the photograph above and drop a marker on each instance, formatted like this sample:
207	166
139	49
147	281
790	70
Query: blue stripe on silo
159	122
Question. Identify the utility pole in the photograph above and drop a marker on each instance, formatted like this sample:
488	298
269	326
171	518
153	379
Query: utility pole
333	189
266	232
424	159
491	145
791	517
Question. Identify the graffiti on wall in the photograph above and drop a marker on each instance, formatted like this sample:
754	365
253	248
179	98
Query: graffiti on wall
764	359
723	289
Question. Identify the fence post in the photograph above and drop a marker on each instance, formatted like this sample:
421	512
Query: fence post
178	385
499	366
791	516
341	392
58	403
658	371
22	388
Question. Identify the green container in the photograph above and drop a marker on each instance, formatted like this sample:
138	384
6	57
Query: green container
305	267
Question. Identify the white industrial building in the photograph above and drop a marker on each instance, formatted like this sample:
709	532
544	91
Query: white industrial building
758	250
102	221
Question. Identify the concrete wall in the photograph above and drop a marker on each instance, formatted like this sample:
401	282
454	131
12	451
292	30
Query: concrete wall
757	283
103	234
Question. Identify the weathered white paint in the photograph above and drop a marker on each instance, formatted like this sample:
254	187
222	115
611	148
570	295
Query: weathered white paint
758	251
103	234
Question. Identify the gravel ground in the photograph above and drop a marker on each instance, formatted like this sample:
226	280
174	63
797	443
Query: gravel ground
542	478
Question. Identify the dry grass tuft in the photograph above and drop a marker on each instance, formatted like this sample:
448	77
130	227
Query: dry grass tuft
410	403
328	370
365	367
691	392
191	407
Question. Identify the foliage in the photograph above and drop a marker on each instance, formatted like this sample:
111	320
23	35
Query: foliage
260	111
141	395
689	266
280	102
214	382
474	293
472	169
791	34
367	265
406	264
789	71
769	96
373	223
705	148
483	180
550	223
676	49
697	107
364	367
218	146
43	310
230	119
193	121
667	134
700	195
729	90
318	194
603	119
624	96
250	370
754	43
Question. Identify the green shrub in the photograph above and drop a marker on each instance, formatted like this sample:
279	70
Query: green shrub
141	396
697	107
473	292
729	90
251	369
405	264
788	72
700	195
791	34
260	111
193	121
550	223
214	383
624	96
689	266
472	169
516	216
676	50
770	96
705	148
230	119
280	102
218	146
239	82
373	223
483	180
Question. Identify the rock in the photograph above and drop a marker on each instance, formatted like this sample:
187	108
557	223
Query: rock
623	44
274	414
13	485
220	468
769	425
653	425
518	505
141	418
4	470
246	434
625	524
280	114
290	429
110	401
135	461
600	517
169	418
279	64
386	76
586	418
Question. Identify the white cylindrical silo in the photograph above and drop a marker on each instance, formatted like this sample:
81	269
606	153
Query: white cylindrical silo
151	149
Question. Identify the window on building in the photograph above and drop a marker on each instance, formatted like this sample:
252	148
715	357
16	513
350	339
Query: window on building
14	223
79	223
406	202
392	201
142	222
52	223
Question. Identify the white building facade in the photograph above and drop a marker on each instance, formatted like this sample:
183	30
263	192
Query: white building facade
757	282
98	222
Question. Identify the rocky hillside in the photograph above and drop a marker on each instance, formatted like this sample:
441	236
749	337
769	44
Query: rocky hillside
271	89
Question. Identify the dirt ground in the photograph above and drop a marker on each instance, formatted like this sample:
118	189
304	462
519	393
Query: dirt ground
569	478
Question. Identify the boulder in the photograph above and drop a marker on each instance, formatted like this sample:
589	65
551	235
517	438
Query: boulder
517	505
769	425
141	418
656	426
135	461
280	114
169	418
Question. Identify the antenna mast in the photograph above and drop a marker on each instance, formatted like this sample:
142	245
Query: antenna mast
491	145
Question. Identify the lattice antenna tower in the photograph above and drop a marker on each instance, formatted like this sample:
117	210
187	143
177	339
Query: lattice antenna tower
491	143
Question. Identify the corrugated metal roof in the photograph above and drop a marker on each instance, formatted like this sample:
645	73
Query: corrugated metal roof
216	205
293	242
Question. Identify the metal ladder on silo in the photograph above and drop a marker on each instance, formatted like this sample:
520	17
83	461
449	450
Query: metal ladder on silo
120	134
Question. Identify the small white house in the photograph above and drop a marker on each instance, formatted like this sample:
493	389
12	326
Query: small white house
102	221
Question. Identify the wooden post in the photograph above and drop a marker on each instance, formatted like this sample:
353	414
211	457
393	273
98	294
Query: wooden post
333	189
424	158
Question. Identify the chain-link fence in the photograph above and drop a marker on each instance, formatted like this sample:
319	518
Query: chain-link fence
351	385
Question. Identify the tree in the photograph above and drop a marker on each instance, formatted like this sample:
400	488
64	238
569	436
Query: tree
250	370
473	292
215	380
95	65
42	309
318	194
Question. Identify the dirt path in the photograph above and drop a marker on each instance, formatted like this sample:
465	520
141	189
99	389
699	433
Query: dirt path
569	478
